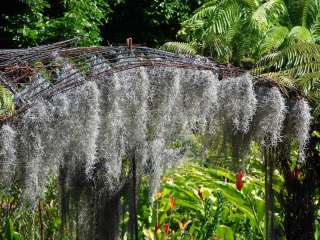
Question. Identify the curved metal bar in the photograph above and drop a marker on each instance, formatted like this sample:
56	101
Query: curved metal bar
46	60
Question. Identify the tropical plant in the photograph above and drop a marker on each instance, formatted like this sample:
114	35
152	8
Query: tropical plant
9	233
209	202
231	30
298	66
7	106
39	220
46	21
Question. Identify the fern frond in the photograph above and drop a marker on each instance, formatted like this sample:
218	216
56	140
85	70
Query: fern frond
299	58
216	47
309	81
295	9
305	12
284	80
179	47
251	4
267	12
315	28
7	106
224	19
311	9
299	61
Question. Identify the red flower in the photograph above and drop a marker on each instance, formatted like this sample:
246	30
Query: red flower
297	172
172	202
239	182
166	229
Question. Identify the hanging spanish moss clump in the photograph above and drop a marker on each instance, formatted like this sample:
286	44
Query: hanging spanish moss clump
105	119
298	124
7	154
237	103
270	115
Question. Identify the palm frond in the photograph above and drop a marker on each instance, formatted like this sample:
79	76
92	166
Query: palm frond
259	18
218	16
179	47
203	13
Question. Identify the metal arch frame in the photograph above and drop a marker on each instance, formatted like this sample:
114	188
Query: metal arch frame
17	65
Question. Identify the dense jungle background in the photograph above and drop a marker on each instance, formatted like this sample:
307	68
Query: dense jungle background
206	198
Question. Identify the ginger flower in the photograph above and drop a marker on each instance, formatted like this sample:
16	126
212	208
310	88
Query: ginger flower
166	229
239	182
172	202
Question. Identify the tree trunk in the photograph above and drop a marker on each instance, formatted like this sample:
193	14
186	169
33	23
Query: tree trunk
298	197
107	219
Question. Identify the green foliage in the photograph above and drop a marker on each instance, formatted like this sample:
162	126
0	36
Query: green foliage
45	22
208	204
9	233
297	65
231	30
179	47
7	106
20	220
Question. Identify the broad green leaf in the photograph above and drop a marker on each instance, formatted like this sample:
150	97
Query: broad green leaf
224	232
300	33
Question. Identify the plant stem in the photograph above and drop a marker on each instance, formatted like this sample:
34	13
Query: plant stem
41	225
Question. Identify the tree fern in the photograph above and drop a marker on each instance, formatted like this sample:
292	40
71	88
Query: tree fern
297	65
298	58
230	30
